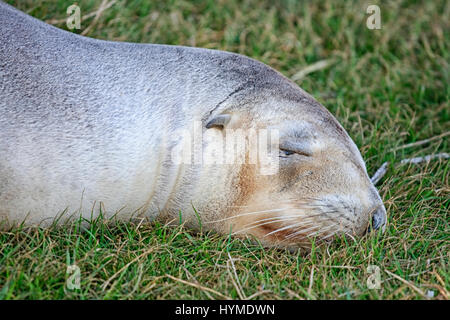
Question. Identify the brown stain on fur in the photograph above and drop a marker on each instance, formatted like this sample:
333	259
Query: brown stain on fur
246	184
246	180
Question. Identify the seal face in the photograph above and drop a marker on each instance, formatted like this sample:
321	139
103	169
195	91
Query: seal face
87	123
321	188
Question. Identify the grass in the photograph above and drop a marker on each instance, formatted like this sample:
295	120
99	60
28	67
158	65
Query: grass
387	87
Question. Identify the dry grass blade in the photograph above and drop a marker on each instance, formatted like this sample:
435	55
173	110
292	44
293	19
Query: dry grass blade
379	174
421	142
103	6
105	284
409	284
199	286
430	157
319	65
195	281
257	294
235	280
311	280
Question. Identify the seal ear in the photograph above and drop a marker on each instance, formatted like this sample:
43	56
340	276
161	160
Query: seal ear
219	121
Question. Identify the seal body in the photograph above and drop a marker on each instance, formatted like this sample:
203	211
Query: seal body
87	123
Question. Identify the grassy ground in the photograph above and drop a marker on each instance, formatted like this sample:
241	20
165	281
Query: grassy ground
387	87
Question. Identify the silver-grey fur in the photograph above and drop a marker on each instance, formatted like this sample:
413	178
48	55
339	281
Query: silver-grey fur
80	117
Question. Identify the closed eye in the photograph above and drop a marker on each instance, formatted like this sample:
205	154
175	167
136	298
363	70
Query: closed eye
284	153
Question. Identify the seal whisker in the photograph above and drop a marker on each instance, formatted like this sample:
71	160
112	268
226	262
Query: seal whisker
262	224
259	225
316	233
283	228
322	231
294	234
306	204
320	213
275	218
246	214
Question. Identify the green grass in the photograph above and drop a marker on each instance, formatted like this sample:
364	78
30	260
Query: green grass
387	87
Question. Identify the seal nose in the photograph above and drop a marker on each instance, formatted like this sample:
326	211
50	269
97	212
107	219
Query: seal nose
379	218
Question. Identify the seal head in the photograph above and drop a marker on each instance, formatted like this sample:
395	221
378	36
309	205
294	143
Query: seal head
321	187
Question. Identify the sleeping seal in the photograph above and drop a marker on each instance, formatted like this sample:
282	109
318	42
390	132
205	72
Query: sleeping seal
87	123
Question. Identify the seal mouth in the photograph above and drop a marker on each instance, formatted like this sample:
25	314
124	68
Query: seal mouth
298	221
290	226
